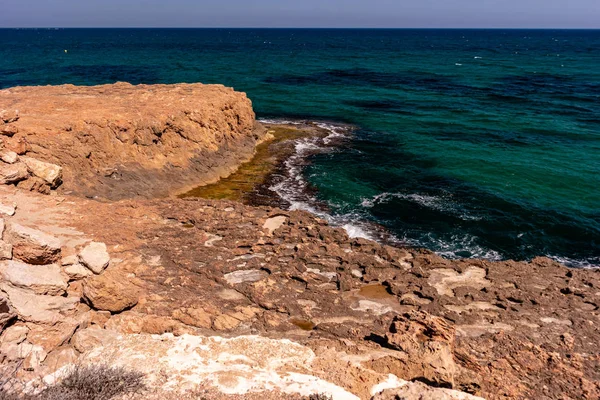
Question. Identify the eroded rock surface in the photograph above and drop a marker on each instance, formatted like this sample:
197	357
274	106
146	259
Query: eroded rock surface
118	141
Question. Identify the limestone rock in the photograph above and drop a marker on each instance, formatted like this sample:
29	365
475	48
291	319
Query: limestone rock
33	246
110	292
32	307
14	334
77	271
9	116
9	157
154	139
95	257
193	317
8	209
59	358
274	223
41	279
87	339
251	275
5	250
428	342
51	337
6	313
420	391
13	173
50	173
34	358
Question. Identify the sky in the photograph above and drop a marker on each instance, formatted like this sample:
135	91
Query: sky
303	13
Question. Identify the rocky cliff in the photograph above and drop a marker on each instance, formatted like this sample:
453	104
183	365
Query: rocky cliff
118	141
220	299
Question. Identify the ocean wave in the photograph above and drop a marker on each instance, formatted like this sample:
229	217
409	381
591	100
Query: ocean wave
438	203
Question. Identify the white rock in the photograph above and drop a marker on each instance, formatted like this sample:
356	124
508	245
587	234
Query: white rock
274	223
14	334
13	173
41	279
8	209
87	339
9	157
77	271
49	172
251	275
36	356
32	307
95	257
70	260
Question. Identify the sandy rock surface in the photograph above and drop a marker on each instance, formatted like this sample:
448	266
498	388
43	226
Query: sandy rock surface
118	141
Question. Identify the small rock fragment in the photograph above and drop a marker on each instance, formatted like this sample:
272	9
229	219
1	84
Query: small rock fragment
51	173
274	223
95	257
33	246
13	173
5	250
31	307
251	275
77	271
9	157
8	209
14	334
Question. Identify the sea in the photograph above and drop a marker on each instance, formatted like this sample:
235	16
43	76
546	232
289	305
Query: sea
471	143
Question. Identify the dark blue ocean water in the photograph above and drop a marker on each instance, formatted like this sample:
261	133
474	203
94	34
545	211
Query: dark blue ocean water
474	143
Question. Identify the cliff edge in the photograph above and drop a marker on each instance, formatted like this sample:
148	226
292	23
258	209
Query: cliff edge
119	141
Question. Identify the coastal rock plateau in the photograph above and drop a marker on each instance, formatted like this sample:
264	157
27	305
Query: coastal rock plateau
220	300
117	141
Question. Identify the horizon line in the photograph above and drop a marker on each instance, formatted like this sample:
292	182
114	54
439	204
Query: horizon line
299	27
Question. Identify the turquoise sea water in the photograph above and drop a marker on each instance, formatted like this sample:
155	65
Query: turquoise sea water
473	143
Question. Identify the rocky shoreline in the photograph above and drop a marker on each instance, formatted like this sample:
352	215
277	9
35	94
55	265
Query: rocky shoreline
236	301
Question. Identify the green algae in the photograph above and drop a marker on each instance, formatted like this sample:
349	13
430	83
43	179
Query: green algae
253	173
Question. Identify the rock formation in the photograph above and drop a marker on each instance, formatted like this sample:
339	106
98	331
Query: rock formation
252	301
118	141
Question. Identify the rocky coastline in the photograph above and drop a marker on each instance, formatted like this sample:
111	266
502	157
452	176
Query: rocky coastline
101	263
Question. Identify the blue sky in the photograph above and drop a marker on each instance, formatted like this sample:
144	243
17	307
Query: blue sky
304	13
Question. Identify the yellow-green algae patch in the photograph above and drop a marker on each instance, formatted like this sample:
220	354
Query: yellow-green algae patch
254	172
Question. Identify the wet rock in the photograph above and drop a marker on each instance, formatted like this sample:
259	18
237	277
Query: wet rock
110	292
9	157
50	173
95	257
41	279
33	246
13	173
32	307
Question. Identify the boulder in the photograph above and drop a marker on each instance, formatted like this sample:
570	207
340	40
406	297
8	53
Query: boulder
13	173
428	342
95	257
9	157
50	173
41	279
59	358
34	358
110	292
31	307
33	246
